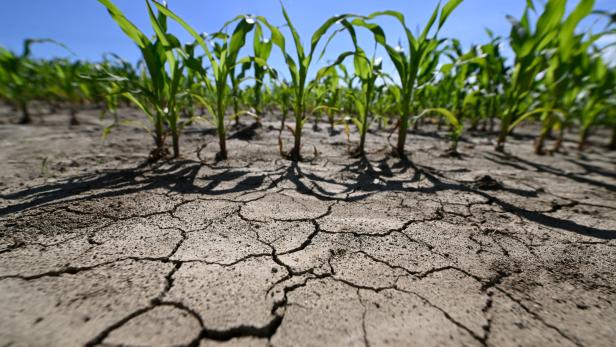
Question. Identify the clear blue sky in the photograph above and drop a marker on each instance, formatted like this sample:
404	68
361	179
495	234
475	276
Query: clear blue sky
86	27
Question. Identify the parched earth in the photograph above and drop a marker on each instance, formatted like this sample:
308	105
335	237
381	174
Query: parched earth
98	249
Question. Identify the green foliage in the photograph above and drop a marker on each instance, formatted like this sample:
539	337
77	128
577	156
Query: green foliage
559	77
298	69
156	93
414	64
222	61
532	46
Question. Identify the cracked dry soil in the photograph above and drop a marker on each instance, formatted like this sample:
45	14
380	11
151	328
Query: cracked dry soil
334	251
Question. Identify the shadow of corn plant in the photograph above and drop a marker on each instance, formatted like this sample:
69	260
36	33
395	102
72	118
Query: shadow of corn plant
368	178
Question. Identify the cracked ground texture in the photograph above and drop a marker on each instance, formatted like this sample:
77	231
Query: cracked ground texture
97	250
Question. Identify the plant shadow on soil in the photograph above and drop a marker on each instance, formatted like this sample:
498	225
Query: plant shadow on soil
179	176
504	159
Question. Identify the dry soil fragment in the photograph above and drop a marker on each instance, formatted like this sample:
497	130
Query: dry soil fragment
394	318
321	249
453	291
138	237
365	218
555	300
141	203
227	297
361	270
398	249
322	311
284	236
199	214
70	310
161	326
513	326
285	206
224	242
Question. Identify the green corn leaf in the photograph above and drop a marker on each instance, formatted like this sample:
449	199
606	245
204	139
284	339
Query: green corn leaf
299	48
551	17
424	33
238	39
139	104
318	34
449	7
127	26
189	29
527	115
160	33
567	32
449	116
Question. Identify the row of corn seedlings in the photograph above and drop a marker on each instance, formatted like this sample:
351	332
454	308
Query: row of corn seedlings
559	78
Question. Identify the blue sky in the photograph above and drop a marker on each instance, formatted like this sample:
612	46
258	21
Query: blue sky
85	26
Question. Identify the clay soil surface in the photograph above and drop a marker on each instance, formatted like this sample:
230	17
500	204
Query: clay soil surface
99	249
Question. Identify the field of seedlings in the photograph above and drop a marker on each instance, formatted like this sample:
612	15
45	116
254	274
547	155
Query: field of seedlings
205	196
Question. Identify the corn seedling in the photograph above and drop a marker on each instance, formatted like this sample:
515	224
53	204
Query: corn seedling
236	92
529	44
327	92
282	94
20	80
413	62
69	86
368	71
560	78
298	69
157	92
597	98
262	47
563	81
222	62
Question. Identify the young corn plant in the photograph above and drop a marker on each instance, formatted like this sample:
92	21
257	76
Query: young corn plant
561	79
262	48
17	74
236	92
21	77
413	62
468	93
326	90
598	98
69	85
530	45
157	92
368	71
492	78
316	101
298	69
333	97
222	62
111	91
282	95
386	106
458	84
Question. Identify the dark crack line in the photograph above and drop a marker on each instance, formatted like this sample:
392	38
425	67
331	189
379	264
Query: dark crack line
477	337
98	339
266	331
363	319
317	229
70	270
